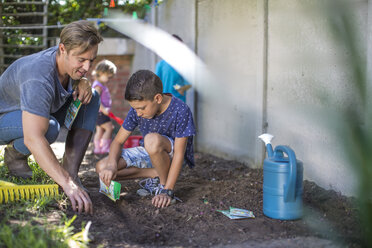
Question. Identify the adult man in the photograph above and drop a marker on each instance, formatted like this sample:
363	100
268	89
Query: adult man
35	92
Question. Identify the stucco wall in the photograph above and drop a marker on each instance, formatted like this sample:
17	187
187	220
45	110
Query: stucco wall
226	112
272	62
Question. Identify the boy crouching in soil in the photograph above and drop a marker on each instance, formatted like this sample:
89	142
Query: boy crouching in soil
167	126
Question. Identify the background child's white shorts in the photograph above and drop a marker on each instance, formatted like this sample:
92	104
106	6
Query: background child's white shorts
138	156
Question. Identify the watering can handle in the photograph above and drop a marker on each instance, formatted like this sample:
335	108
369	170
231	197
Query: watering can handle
290	186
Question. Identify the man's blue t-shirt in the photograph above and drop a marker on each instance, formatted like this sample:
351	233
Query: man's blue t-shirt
31	84
170	77
175	122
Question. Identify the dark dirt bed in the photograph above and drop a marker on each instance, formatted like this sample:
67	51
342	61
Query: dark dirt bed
330	218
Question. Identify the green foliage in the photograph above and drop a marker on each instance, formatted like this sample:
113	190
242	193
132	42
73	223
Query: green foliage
28	234
35	207
64	12
59	12
354	123
22	222
38	175
9	20
25	236
73	10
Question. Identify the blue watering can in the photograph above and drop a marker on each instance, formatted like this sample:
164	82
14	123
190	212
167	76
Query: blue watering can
282	182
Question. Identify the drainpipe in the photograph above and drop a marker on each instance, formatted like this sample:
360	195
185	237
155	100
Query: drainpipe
155	22
195	92
369	64
262	70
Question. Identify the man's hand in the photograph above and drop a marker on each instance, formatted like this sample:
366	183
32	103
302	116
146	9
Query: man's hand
80	199
34	129
83	91
161	201
107	175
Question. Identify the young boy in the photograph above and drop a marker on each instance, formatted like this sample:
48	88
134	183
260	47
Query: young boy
168	129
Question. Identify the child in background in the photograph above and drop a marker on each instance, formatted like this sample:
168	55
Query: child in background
167	126
172	81
103	72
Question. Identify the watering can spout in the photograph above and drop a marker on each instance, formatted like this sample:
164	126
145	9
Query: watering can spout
267	139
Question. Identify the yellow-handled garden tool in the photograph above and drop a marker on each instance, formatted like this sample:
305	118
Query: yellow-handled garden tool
13	192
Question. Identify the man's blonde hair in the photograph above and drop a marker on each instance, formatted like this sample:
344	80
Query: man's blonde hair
80	34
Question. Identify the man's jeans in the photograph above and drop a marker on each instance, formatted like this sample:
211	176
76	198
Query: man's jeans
11	123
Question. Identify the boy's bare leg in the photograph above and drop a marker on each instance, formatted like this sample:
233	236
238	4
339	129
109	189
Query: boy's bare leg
159	147
134	172
124	173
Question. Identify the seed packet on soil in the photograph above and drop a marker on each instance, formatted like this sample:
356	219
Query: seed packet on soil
233	217
241	212
112	192
72	112
237	213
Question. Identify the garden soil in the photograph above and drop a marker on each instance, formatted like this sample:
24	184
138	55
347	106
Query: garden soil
330	219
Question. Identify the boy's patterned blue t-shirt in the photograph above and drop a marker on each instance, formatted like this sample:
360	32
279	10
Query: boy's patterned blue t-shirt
175	122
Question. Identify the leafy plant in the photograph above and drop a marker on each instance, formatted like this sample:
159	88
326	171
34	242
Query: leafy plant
67	11
38	175
59	12
352	121
48	235
20	221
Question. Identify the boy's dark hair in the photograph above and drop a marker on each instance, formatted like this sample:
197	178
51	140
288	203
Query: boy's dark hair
143	85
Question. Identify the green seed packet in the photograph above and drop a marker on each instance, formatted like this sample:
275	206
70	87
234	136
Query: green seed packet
112	192
72	112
